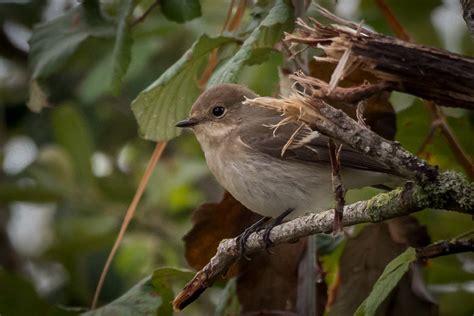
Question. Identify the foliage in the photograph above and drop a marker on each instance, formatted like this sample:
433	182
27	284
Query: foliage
142	298
392	274
69	169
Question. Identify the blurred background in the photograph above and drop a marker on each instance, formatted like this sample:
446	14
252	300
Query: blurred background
68	172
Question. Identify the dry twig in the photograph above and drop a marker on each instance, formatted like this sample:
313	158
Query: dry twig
444	247
337	185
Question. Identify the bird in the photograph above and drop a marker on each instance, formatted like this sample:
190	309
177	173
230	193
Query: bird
280	171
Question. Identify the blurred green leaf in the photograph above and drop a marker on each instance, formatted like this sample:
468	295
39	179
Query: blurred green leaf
18	297
11	193
53	42
152	296
413	126
139	300
168	99
391	275
162	281
414	16
136	256
53	171
264	36
181	10
121	54
73	134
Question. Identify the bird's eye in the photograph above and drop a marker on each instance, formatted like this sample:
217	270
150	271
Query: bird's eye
218	111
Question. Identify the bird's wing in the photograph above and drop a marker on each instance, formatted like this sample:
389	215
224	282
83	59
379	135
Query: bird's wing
296	141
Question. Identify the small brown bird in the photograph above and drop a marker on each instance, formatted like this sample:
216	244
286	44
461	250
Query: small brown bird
245	155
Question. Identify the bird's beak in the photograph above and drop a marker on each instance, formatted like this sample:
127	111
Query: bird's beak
190	122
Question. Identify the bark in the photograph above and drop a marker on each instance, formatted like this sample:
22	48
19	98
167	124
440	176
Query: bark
444	247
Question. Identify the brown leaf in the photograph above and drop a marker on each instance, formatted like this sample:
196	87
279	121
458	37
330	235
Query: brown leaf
213	222
268	283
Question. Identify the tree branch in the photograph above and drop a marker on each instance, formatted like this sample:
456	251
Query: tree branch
335	123
451	191
432	74
444	247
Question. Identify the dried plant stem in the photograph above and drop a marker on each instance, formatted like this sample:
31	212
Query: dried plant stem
230	24
145	14
128	217
337	185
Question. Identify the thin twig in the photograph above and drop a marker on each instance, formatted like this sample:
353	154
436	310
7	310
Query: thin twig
429	137
294	57
337	185
438	118
128	217
392	20
351	95
228	15
230	24
237	18
142	18
444	248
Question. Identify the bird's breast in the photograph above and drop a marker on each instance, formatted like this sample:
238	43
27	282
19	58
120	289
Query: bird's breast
267	185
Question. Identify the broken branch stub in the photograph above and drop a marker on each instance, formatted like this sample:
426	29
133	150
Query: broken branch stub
432	74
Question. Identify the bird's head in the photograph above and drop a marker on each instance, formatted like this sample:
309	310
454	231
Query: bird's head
219	111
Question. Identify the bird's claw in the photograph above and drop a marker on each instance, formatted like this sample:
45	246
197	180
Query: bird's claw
266	239
242	238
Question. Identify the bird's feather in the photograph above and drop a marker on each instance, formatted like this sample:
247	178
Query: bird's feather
292	141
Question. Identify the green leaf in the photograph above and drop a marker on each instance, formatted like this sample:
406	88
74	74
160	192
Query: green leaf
169	98
72	132
181	10
264	36
390	277
139	300
53	42
121	53
163	280
152	296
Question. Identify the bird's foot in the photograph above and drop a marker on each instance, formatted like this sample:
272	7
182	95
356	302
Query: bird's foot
277	221
242	238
